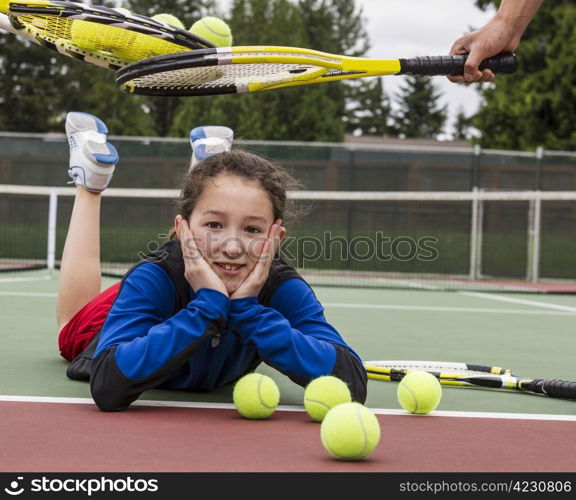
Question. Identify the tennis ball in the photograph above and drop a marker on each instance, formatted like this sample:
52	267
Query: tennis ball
350	431
419	392
86	35
214	30
322	394
256	396
169	19
95	37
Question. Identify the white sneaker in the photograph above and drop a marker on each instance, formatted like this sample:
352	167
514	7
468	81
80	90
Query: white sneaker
92	159
209	140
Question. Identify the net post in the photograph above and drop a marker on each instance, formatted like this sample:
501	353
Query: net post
539	158
534	223
52	216
534	232
476	236
475	181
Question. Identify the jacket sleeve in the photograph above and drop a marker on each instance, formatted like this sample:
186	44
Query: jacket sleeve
293	336
142	342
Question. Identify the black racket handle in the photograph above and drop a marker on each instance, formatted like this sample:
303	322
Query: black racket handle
553	388
454	65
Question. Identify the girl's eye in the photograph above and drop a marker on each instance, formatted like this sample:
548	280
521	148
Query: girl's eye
253	230
213	225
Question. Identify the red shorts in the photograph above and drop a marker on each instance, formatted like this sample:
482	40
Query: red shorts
80	330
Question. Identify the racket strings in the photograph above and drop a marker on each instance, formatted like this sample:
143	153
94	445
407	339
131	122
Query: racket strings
237	76
99	40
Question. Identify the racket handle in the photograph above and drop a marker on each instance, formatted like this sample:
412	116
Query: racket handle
553	388
454	65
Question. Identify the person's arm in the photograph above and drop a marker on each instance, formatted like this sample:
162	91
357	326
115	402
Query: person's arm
142	342
293	336
501	34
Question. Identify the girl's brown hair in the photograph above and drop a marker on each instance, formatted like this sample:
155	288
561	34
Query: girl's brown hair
273	179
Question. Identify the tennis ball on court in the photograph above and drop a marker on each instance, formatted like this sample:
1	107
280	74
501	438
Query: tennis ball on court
419	392
350	431
256	396
169	19
323	394
214	30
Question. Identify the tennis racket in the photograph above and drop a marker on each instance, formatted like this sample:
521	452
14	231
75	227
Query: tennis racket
232	70
462	374
97	35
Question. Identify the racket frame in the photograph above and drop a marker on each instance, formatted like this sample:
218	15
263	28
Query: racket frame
335	68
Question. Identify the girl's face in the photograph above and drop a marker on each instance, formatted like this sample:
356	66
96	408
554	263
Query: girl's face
230	223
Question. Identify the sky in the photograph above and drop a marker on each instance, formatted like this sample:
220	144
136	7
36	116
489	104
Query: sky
410	28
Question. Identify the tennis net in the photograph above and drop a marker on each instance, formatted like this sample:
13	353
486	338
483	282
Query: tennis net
470	240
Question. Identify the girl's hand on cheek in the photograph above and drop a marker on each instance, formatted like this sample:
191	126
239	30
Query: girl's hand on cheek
196	270
255	280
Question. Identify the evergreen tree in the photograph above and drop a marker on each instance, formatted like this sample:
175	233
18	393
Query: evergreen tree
462	126
164	109
38	87
304	113
418	114
31	82
369	108
338	27
536	106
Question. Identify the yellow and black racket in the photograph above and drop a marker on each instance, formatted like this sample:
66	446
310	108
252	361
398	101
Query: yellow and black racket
235	70
106	37
462	374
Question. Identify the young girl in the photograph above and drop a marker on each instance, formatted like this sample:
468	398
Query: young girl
206	308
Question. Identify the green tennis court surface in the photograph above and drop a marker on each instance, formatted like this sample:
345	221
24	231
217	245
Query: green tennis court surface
533	335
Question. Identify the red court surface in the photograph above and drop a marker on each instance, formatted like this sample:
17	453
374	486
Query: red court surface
65	437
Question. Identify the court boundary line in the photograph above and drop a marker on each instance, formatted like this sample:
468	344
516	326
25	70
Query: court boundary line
398	307
535	303
570	312
293	408
50	295
25	279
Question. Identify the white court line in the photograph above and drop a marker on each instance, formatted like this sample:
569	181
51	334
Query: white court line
18	280
28	294
519	301
449	309
572	312
230	406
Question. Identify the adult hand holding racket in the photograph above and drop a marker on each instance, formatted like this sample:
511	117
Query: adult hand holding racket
233	70
471	375
106	37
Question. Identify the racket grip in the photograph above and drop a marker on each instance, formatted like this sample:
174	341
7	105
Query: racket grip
454	65
554	388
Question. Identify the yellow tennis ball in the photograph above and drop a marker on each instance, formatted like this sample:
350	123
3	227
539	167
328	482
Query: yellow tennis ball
86	35
256	396
213	30
4	6
97	37
169	19
350	431
323	394
419	392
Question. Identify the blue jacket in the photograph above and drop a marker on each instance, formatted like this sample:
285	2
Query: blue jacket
160	334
